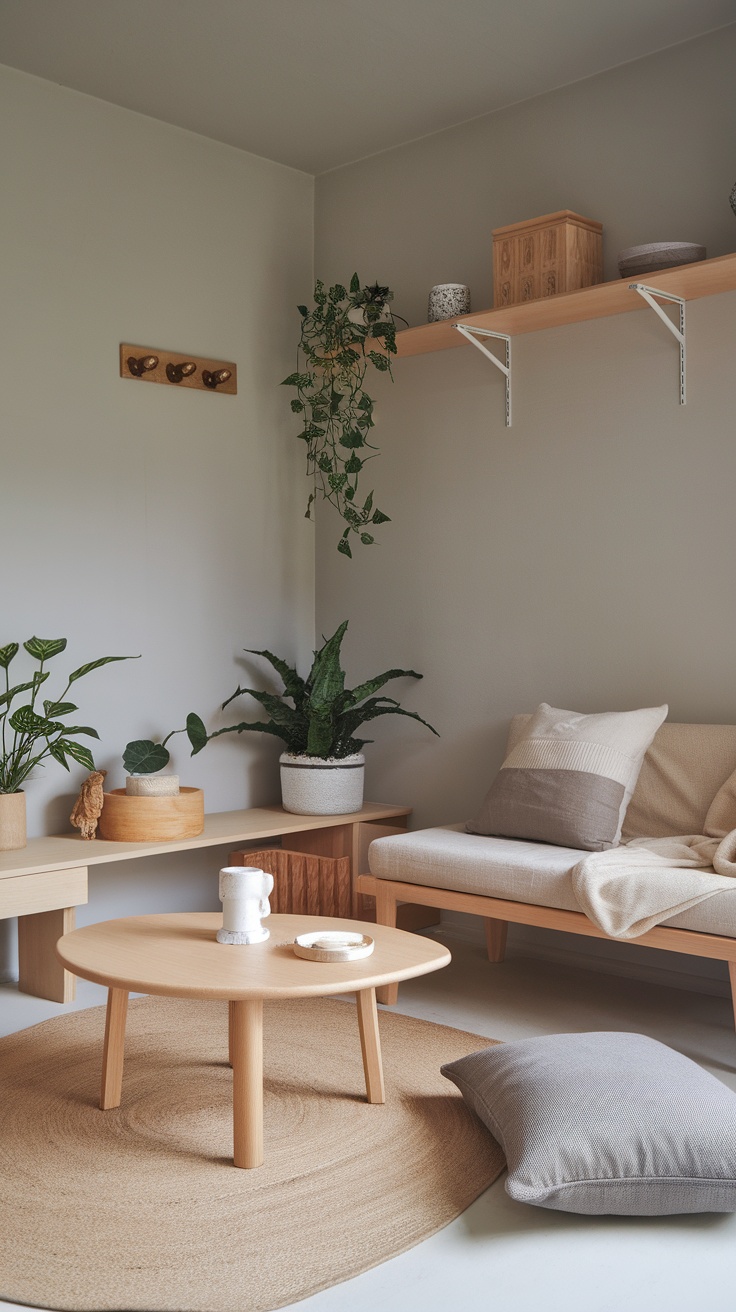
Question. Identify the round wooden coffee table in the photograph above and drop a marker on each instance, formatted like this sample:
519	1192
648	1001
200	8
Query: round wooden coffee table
178	956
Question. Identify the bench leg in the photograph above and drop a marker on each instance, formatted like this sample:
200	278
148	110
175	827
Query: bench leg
388	994
495	938
41	973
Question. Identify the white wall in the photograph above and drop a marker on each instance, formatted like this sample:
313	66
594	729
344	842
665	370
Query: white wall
584	557
138	518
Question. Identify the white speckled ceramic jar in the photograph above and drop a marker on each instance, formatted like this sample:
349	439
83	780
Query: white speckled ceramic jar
312	786
152	785
447	300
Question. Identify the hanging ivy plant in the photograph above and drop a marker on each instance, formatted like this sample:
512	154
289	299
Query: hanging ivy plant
345	332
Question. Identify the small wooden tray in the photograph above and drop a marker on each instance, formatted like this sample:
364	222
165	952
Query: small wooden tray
333	945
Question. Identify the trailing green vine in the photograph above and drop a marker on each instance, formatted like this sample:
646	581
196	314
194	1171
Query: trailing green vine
347	330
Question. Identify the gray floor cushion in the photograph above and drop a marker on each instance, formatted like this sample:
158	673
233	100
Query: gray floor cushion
605	1123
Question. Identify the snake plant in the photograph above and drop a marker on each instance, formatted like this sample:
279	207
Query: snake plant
318	716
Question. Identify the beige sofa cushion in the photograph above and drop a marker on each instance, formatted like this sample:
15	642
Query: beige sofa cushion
683	769
569	778
536	873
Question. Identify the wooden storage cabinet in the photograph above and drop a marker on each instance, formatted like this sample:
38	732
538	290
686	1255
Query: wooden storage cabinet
559	252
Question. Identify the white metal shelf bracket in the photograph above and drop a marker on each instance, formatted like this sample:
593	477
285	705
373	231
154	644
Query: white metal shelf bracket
471	334
649	293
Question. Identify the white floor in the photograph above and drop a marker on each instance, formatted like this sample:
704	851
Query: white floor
502	1254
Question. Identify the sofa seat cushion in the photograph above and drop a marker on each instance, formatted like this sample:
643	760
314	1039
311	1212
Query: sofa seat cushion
472	863
512	869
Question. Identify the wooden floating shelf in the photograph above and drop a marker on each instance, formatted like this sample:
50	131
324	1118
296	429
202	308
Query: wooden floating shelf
690	281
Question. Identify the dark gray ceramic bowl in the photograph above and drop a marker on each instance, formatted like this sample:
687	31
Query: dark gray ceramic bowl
656	256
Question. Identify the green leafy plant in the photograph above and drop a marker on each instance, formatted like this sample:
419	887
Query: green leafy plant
347	330
145	757
28	737
319	716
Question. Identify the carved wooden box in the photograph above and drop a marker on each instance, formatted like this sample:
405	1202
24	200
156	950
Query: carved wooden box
555	253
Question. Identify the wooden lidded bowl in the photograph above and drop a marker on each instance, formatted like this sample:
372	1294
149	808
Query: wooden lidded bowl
127	819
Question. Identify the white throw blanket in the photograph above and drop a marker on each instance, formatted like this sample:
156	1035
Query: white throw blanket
630	889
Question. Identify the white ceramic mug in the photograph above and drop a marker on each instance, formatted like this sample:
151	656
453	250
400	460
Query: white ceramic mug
244	894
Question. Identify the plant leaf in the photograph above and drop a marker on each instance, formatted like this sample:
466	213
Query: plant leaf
144	757
58	754
58	708
371	686
321	736
25	720
7	653
196	733
44	648
293	684
327	678
95	665
353	438
280	713
343	546
82	755
80	728
258	726
23	687
353	719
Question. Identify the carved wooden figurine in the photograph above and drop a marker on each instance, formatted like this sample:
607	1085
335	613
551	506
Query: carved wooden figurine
88	805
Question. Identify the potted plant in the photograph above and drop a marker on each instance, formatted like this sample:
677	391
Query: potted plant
317	718
345	332
152	807
144	759
28	737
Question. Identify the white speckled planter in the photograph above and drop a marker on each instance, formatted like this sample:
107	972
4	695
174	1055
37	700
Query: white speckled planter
447	300
310	786
152	785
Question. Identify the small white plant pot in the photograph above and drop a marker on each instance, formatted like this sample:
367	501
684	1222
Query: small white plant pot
312	786
152	785
244	894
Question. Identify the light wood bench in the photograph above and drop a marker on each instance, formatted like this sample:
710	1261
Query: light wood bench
45	881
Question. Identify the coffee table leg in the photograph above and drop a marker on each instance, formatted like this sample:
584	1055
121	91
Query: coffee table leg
370	1044
246	1039
112	1053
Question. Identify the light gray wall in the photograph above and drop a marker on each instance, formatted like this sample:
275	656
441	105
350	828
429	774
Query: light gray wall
584	557
138	518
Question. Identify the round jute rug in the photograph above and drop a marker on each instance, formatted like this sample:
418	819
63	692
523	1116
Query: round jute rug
140	1207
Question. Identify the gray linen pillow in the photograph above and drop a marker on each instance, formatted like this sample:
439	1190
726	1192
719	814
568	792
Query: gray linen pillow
605	1123
569	778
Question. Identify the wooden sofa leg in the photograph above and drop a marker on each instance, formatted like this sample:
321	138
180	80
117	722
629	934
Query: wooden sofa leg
495	938
388	994
732	978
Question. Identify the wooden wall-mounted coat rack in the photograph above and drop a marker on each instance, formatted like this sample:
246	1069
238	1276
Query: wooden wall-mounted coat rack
177	369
